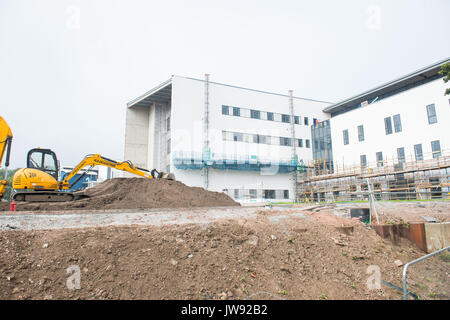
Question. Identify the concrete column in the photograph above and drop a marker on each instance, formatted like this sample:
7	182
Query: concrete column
136	136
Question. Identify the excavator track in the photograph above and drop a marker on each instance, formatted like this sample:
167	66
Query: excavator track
46	196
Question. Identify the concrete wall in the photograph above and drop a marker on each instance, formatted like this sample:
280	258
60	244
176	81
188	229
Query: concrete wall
437	236
411	105
136	136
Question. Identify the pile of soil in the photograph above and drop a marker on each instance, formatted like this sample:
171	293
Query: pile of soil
135	193
226	260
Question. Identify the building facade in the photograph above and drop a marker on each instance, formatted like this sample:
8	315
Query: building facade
244	142
259	145
404	120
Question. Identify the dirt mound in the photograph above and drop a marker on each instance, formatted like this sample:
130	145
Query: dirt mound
136	193
227	260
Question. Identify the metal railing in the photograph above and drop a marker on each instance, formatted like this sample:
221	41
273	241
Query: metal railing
405	268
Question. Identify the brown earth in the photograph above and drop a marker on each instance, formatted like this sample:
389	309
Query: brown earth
135	193
298	259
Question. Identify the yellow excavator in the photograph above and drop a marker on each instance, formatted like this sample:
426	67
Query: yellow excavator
5	149
39	181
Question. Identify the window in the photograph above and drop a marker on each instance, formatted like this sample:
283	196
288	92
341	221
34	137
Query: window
431	112
226	110
436	149
168	146
418	152
255	114
401	155
252	193
238	136
285	118
236	111
361	133
300	143
379	159
270	116
259	139
168	124
296	119
397	123
269	194
306	120
388	125
363	160
286	194
285	141
236	193
307	143
345	135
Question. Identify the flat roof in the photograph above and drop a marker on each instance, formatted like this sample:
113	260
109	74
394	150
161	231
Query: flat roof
162	93
422	75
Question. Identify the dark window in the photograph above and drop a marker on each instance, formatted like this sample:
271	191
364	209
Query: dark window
297	119
168	146
418	152
300	143
379	159
236	111
259	139
345	134
270	116
285	141
401	155
307	143
285	118
255	114
226	110
397	123
236	193
388	125
168	124
306	121
363	160
436	149
361	133
269	194
286	194
431	112
238	136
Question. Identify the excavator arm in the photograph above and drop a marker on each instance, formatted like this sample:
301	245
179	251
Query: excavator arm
98	160
5	149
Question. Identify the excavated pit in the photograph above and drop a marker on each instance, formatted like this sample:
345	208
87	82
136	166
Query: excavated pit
135	193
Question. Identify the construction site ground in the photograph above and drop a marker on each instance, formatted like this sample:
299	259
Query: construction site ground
213	253
203	245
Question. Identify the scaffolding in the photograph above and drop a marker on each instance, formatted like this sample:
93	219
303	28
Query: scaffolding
389	179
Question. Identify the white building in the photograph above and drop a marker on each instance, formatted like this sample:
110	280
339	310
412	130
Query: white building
250	143
221	137
404	120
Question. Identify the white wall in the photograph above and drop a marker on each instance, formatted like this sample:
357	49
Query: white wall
187	131
411	105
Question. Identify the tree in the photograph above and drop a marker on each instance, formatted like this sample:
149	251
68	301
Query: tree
445	71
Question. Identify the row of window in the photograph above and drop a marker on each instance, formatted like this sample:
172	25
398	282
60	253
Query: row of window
396	119
254	193
418	153
264	139
263	115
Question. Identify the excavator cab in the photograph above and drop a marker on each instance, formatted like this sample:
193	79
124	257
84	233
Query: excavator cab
44	160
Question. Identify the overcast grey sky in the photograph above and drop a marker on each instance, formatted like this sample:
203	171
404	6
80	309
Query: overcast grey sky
67	68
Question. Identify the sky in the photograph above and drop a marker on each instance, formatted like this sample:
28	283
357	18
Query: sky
68	68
